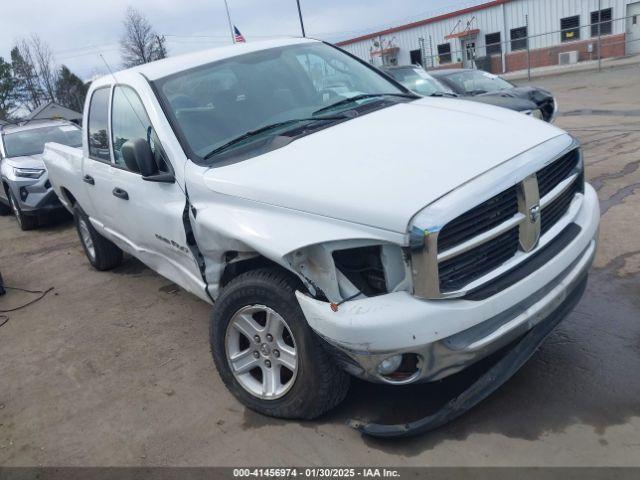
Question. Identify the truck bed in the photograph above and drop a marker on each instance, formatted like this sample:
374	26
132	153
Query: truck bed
64	165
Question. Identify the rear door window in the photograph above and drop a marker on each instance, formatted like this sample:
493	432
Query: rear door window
98	125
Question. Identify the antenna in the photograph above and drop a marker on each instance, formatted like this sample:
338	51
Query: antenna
124	91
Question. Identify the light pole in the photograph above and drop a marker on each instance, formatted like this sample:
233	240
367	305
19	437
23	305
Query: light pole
300	15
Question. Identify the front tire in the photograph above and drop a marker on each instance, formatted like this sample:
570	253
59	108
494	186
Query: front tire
102	253
25	222
265	352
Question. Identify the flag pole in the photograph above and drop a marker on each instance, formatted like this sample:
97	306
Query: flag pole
233	37
300	15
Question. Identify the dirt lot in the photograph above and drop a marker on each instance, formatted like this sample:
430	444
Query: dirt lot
114	368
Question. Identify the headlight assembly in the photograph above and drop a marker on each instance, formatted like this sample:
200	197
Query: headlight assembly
537	113
34	173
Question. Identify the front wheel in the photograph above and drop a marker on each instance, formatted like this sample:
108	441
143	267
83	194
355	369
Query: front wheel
265	352
25	222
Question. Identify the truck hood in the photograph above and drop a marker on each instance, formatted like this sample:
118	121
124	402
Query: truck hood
30	161
380	169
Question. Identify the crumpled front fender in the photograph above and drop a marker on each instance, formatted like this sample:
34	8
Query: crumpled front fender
224	223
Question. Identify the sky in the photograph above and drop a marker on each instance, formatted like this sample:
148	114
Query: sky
77	30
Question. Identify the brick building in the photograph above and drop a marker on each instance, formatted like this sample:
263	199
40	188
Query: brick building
505	35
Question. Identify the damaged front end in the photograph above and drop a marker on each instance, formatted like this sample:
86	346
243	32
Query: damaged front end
484	386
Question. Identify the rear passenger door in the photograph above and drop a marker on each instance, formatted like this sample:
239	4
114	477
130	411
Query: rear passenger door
97	171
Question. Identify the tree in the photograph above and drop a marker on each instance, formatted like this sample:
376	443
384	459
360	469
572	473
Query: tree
70	90
140	43
29	93
45	67
37	80
7	90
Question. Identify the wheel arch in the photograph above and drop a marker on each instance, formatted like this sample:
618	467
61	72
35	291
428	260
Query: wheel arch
236	264
68	197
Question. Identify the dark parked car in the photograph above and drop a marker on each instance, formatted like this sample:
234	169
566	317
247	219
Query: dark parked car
416	79
480	85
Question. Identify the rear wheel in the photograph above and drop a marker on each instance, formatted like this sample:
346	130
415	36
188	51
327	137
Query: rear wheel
102	253
25	222
266	353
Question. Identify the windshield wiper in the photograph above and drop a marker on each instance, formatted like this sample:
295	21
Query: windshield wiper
443	94
266	128
362	97
476	92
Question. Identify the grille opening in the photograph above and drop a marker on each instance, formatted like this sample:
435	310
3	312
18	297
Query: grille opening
551	175
480	219
363	267
559	207
457	272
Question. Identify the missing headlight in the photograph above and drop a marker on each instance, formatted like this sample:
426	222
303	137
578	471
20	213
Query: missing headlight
363	267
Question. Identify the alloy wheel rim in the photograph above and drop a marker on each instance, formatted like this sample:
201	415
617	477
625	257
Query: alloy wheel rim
85	235
261	352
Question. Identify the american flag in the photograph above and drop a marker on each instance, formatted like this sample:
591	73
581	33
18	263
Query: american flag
238	36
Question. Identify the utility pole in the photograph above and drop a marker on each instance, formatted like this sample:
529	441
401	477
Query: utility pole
599	35
300	15
526	22
233	37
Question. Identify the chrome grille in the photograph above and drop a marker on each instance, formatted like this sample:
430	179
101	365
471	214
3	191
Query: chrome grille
465	268
480	219
557	171
476	243
556	209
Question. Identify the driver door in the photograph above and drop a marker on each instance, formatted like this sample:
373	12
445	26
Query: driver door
149	214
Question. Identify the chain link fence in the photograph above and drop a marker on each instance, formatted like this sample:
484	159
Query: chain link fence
579	43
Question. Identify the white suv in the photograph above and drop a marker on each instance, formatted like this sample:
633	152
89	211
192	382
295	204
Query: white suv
338	223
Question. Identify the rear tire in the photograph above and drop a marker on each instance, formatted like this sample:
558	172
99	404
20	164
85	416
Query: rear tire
261	304
25	222
102	253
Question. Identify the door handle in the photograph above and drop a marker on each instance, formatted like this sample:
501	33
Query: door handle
120	193
88	179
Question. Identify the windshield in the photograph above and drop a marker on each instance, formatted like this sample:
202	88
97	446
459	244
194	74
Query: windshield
419	81
31	142
216	104
476	82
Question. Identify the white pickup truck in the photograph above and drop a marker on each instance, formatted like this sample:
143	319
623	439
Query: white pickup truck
337	223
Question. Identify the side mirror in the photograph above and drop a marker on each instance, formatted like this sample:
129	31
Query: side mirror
138	157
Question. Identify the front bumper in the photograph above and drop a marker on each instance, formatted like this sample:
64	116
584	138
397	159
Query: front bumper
35	197
449	335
